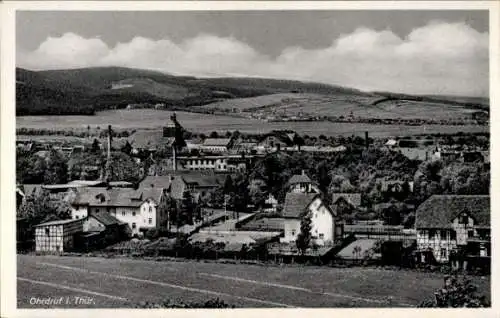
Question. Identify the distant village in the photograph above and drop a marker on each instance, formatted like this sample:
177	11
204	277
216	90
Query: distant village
233	196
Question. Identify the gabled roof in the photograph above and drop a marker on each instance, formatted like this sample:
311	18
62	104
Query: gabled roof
299	178
296	203
105	218
352	198
125	197
439	211
216	141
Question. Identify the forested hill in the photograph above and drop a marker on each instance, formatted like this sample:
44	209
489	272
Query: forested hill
86	90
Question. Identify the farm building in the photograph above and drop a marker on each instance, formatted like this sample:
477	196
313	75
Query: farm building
449	224
57	236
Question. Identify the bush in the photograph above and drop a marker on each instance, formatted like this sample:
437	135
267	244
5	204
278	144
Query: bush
211	303
456	293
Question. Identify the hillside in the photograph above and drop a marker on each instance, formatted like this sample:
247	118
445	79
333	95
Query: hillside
343	105
87	90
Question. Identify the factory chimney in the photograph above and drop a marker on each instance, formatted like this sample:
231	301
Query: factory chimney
367	140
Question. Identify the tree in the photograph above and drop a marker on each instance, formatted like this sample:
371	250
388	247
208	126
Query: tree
186	211
214	134
228	185
57	168
124	168
304	237
95	148
256	191
127	148
216	197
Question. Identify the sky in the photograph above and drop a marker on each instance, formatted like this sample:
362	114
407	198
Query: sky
418	52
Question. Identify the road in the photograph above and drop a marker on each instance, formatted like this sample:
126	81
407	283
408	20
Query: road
124	282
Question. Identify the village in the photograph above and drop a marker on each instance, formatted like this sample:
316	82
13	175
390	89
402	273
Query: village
421	202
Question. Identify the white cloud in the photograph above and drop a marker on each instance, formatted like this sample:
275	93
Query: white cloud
439	58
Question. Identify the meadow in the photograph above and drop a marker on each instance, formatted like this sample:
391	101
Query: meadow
343	105
241	285
206	123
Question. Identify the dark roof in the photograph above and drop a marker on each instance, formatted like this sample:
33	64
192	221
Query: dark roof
352	198
116	196
57	222
296	203
155	182
105	218
439	210
299	178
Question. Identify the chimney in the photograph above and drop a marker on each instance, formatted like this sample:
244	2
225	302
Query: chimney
367	141
303	172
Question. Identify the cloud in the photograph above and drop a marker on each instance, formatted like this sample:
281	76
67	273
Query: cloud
438	58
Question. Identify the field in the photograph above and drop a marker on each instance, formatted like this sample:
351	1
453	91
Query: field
342	105
205	123
126	282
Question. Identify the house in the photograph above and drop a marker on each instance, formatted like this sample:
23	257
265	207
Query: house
323	225
301	183
395	186
216	145
278	140
57	236
175	182
446	224
270	204
219	163
141	209
342	202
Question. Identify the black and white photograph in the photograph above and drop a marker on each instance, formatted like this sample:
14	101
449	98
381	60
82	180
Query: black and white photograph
293	158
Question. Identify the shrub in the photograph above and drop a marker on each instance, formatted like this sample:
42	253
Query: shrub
456	293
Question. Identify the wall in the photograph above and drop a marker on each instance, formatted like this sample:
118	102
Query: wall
59	239
440	244
79	212
322	223
292	229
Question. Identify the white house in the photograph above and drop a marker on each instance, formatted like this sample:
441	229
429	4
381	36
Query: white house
216	145
301	183
446	223
141	209
297	205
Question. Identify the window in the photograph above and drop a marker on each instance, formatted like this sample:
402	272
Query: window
96	210
124	213
133	226
150	209
321	235
444	253
470	234
77	217
444	234
453	235
432	234
464	219
150	221
133	213
293	232
47	231
77	208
